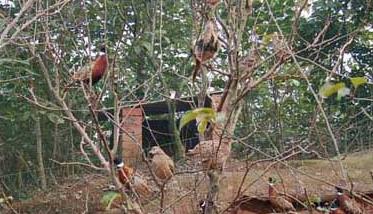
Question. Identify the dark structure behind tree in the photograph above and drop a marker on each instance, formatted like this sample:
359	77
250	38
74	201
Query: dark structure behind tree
155	126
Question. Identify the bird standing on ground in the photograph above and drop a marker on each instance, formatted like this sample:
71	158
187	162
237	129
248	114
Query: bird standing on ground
124	173
347	204
206	47
211	153
336	210
130	180
277	201
203	204
162	165
140	185
94	71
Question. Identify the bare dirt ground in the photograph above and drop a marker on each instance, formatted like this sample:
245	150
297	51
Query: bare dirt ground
82	195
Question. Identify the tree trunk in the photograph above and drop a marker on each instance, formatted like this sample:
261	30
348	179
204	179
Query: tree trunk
224	130
72	147
116	149
39	152
55	142
178	147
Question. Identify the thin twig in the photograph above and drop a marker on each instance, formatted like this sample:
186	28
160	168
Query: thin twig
77	163
343	171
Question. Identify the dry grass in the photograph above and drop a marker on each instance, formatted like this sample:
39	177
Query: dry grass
185	190
315	176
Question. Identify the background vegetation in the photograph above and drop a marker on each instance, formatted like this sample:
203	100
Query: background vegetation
149	48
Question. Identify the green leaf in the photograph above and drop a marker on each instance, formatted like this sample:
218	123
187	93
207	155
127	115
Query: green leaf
166	39
202	126
357	81
7	60
295	82
187	117
147	46
55	119
329	89
201	114
108	199
267	39
25	116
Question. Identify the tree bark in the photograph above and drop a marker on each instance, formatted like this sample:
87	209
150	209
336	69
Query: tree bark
178	147
39	153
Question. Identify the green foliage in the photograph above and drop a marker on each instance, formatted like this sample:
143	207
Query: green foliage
108	198
54	118
202	115
357	81
328	89
274	113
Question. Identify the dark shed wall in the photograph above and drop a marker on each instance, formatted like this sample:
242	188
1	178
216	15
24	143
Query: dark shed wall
156	132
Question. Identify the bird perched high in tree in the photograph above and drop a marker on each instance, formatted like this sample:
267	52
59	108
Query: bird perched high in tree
347	204
277	201
162	165
247	64
206	47
280	47
93	71
212	3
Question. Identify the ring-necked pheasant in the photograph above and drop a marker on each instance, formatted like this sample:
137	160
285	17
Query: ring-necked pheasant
124	173
93	71
336	210
347	204
131	180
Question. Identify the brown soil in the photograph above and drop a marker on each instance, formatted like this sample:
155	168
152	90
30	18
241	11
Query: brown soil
183	193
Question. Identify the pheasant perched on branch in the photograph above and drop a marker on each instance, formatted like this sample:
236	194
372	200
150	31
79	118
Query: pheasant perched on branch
212	3
278	202
94	71
206	47
247	65
280	46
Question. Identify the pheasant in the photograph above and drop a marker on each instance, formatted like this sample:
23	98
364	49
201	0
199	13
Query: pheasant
124	173
130	180
206	47
347	204
162	165
212	154
94	71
